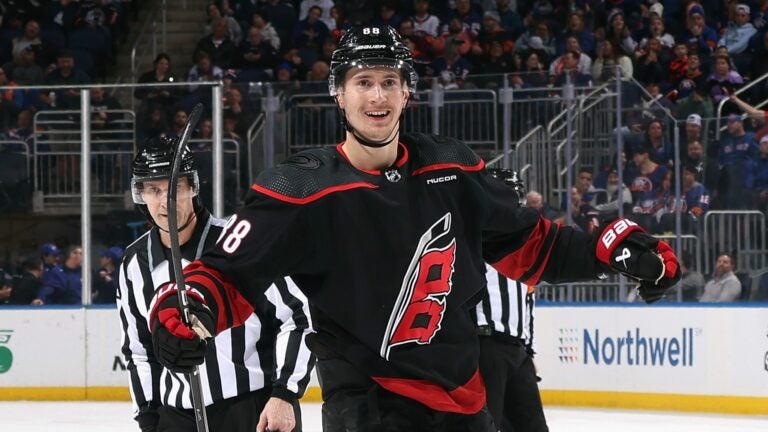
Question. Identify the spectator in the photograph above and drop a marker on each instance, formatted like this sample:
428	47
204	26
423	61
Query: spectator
177	124
309	34
662	150
646	185
698	103
456	34
6	288
617	194
723	80
539	38
678	65
29	39
51	255
24	132
692	282
531	75
66	73
657	30
697	35
283	17
736	152
736	36
497	62
325	11
256	56
575	29
725	286
27	289
692	131
469	14
105	282
584	185
423	21
203	139
492	31
24	70
387	16
218	45
585	217
651	63
618	33
203	70
157	95
152	123
101	105
571	66
759	65
572	45
234	31
238	110
604	67
761	175
706	169
63	283
268	33
694	204
451	68
510	19
536	201
692	78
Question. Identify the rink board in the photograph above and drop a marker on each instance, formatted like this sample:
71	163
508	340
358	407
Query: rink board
712	359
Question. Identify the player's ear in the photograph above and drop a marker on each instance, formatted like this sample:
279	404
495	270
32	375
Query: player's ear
340	100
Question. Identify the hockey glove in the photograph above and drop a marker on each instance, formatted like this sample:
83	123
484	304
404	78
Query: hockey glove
626	248
178	347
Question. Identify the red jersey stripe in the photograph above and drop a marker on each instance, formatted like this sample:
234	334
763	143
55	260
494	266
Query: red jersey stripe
466	399
315	196
521	261
477	167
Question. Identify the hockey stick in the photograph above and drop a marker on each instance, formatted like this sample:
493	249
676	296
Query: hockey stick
201	420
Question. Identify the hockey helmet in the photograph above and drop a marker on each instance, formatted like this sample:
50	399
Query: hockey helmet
370	46
154	161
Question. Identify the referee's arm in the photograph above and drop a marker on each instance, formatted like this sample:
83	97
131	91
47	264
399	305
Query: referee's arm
294	361
144	371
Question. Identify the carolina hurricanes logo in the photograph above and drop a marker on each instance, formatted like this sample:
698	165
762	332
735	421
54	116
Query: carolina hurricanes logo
418	311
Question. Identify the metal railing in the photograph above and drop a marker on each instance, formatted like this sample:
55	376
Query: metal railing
742	232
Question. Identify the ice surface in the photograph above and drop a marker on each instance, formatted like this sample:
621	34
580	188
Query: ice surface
116	417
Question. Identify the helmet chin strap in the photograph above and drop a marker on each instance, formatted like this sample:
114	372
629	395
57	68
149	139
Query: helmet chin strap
184	226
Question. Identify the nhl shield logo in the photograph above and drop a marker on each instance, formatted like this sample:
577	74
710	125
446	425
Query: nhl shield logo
392	175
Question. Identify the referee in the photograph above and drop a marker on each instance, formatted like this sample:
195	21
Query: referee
505	327
263	364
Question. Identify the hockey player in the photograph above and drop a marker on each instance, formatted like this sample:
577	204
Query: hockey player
262	365
505	325
387	235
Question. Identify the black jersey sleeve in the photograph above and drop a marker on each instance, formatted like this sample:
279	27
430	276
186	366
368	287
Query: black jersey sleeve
522	245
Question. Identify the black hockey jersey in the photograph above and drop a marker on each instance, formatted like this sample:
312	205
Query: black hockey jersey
391	260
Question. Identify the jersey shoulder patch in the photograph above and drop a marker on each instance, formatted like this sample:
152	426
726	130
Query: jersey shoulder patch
308	176
434	152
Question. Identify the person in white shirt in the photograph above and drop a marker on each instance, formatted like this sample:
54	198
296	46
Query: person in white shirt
725	286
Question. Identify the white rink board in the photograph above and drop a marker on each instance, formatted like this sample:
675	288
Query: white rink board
717	350
724	351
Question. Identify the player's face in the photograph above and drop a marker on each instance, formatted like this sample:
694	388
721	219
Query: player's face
373	99
155	194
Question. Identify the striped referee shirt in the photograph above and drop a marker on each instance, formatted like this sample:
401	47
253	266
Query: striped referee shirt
507	307
268	350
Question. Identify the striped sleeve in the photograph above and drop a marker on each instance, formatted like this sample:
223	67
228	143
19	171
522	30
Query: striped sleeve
294	361
144	370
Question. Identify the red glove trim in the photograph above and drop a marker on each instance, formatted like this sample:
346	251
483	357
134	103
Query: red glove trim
162	293
171	320
612	236
669	258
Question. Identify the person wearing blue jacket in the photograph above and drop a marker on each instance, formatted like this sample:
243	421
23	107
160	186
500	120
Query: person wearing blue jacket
736	36
63	283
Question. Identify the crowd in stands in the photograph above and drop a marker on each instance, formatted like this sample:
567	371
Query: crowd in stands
677	60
